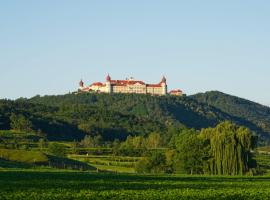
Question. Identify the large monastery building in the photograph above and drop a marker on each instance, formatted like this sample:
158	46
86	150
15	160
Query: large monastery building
128	86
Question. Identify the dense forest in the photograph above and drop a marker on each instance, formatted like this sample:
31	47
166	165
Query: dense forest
115	116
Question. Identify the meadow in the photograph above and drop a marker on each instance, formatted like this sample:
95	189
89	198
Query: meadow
88	185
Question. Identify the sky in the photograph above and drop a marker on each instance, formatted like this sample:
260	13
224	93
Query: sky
46	47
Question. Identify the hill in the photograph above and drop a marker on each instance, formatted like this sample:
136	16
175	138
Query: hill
250	114
71	116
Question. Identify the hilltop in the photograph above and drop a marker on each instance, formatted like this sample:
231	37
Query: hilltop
115	116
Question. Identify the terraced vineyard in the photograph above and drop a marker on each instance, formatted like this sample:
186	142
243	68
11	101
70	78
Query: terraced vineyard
120	164
74	185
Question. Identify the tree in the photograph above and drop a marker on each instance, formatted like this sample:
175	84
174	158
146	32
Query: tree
42	143
57	149
88	142
231	147
20	123
74	147
143	166
153	141
192	152
115	147
97	141
153	163
86	127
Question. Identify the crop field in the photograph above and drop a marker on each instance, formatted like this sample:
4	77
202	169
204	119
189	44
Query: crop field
85	185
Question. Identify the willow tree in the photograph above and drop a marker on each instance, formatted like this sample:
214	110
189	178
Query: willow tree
230	149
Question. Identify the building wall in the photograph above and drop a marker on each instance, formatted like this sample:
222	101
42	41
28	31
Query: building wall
155	90
138	89
124	86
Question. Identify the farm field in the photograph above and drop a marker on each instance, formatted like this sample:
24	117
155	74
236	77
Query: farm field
85	185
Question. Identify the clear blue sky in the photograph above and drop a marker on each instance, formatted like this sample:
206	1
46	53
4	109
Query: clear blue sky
46	47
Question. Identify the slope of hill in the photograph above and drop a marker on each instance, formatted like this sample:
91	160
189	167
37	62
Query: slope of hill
68	117
253	115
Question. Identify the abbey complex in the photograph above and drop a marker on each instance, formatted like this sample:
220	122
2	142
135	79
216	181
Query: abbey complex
129	86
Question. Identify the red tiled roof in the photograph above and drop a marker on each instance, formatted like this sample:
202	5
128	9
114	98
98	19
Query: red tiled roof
154	85
175	91
85	89
97	84
126	82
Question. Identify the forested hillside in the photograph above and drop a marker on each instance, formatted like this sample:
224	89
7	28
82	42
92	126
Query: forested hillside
253	115
115	116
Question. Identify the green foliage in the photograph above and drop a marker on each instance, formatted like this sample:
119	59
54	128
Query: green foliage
22	156
42	143
223	150
57	149
244	112
91	142
115	116
20	123
133	146
154	163
230	149
192	153
143	166
154	141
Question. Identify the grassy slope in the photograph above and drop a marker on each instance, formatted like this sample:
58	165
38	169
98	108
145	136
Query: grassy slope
10	158
22	156
70	185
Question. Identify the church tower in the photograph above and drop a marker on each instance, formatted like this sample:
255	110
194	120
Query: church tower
81	84
164	85
108	84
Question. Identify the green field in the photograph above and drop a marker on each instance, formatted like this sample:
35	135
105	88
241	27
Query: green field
85	185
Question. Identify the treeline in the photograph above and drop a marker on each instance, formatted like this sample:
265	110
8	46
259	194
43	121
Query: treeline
223	150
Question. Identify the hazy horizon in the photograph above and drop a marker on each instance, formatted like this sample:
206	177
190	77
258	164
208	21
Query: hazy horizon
47	47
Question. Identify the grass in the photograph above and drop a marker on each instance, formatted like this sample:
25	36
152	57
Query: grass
22	159
74	185
23	156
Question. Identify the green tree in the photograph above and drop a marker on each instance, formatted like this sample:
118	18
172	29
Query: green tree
42	143
98	141
88	142
153	163
57	149
154	141
143	166
20	123
231	147
74	146
192	153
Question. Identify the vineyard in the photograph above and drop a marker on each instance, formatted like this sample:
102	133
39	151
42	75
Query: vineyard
84	185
